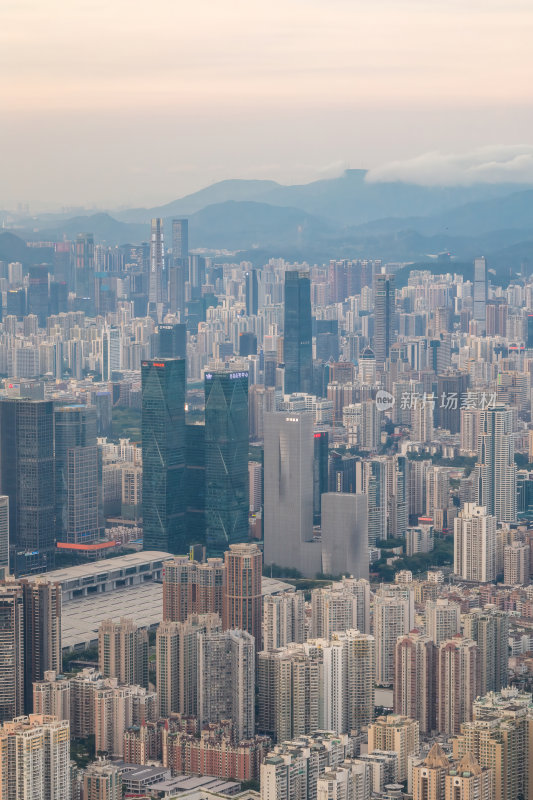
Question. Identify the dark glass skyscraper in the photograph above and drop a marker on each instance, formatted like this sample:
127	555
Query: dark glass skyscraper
252	292
84	269
320	473
384	300
78	502
27	478
226	459
172	341
297	333
38	293
163	443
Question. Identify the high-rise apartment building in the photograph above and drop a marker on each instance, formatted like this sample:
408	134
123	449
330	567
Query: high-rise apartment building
190	587
499	737
288	492
243	600
332	609
375	487
35	759
102	781
384	310
220	655
11	650
414	679
468	781
163	441
77	493
515	563
27	478
42	632
123	652
351	779
345	534
475	544
176	647
397	733
51	696
429	776
283	619
391	620
480	294
443	619
297	333
495	471
348	682
226	459
456	683
489	628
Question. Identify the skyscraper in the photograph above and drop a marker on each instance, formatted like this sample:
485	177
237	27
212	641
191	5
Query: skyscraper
4	535
179	271
475	544
226	459
11	650
345	534
391	620
397	733
123	652
414	679
443	619
172	341
489	628
320	473
384	305
42	632
163	440
220	655
78	501
283	619
456	683
252	292
192	588
243	601
27	478
157	264
38	293
495	471
480	293
84	267
297	333
288	492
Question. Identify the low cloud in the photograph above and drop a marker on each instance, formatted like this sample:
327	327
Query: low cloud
496	164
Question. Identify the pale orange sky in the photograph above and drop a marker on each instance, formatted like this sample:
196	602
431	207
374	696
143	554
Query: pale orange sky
129	102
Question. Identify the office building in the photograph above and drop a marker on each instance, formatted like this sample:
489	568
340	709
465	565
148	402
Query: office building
163	441
102	781
429	775
345	534
375	487
195	483
456	683
288	492
27	478
38	292
297	333
231	653
468	781
397	733
442	619
84	268
252	292
77	493
226	459
480	294
123	652
243	601
475	544
178	273
489	628
283	619
157	264
320	473
190	587
384	312
495	471
177	662
11	650
35	759
172	341
414	679
451	387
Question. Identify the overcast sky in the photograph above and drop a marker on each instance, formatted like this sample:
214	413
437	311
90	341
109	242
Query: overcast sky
137	102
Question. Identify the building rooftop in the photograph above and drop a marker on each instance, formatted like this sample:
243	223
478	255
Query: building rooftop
103	565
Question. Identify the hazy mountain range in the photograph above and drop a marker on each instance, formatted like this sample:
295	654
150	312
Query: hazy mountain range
339	217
